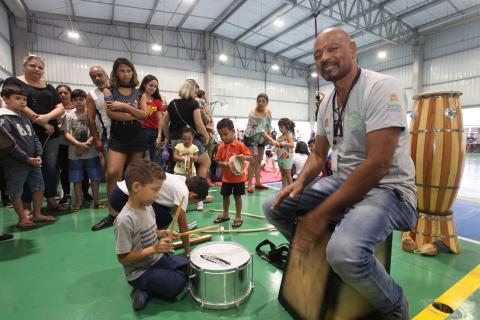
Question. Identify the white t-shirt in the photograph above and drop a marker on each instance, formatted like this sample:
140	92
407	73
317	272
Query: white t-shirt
171	193
299	160
377	101
77	125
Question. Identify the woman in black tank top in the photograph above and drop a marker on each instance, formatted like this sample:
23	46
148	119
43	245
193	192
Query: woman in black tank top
127	139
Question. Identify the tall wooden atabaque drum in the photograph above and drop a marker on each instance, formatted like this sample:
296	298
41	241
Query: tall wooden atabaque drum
438	151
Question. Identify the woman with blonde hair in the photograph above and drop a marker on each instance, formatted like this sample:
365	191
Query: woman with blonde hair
44	107
184	112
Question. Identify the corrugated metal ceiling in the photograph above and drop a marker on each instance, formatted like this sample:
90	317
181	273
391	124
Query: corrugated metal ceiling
252	22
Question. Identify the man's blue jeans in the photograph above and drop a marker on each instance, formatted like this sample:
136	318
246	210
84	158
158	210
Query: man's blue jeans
360	228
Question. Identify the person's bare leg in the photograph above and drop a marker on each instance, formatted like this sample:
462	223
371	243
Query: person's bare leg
251	170
288	175
226	206
116	162
78	194
204	162
95	187
18	206
37	197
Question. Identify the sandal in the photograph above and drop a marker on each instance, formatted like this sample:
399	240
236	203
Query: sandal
75	208
261	186
99	205
26	225
237	223
221	219
44	219
250	190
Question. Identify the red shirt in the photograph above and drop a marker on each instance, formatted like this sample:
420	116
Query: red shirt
225	151
153	107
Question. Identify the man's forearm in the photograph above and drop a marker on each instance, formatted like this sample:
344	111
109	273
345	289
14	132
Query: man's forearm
312	169
365	177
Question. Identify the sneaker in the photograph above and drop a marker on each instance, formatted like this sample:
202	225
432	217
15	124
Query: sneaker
87	197
65	199
139	299
8	204
200	206
104	223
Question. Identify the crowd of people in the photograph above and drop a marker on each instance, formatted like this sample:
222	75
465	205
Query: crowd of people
85	138
107	133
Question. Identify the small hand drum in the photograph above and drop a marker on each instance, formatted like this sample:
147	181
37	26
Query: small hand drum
236	165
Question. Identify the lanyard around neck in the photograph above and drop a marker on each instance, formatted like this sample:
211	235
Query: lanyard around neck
338	124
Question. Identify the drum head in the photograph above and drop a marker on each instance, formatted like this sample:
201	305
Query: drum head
220	255
446	94
236	165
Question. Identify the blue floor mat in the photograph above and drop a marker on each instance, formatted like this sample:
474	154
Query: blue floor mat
467	218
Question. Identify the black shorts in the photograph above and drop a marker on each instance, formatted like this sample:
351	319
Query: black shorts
238	189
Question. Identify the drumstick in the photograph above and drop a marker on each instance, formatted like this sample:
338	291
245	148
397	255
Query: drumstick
177	214
256	216
215	226
242	230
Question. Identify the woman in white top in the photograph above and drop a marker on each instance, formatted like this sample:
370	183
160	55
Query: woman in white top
299	158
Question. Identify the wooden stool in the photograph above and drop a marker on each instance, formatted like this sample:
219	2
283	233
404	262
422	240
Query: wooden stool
311	290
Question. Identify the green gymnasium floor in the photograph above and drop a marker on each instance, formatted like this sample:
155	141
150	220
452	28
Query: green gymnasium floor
65	271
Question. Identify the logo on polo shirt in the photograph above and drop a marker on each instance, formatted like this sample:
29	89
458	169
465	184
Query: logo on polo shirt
394	104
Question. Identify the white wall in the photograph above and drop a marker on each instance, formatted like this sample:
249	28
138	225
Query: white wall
6	67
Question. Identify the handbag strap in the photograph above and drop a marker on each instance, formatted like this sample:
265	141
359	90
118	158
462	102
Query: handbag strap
184	122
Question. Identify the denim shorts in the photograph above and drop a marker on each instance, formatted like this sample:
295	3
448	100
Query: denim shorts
16	178
285	163
200	146
76	169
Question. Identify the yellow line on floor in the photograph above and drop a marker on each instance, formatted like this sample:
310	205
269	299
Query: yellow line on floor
469	199
454	296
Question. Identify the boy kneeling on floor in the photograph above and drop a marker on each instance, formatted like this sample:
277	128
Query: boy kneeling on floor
149	266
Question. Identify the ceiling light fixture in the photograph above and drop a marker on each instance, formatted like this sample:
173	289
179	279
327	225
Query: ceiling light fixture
382	54
223	57
73	34
156	47
275	67
278	22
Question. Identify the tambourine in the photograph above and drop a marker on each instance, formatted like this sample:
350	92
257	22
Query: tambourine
236	165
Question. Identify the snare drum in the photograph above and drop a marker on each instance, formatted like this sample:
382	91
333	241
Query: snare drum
221	274
236	165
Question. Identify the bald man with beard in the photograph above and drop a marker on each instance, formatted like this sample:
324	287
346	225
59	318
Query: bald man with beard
372	189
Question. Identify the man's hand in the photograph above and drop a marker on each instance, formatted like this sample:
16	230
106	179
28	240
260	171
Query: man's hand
49	129
292	190
309	229
98	145
36	162
42	119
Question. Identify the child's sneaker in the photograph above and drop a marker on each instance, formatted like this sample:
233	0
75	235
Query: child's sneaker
200	206
139	299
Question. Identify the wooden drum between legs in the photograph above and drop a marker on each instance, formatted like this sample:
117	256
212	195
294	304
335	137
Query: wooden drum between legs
438	152
310	289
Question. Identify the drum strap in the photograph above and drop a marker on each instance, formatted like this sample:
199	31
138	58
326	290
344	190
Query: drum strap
277	254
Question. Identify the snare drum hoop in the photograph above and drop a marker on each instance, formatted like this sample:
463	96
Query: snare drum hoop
220	271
